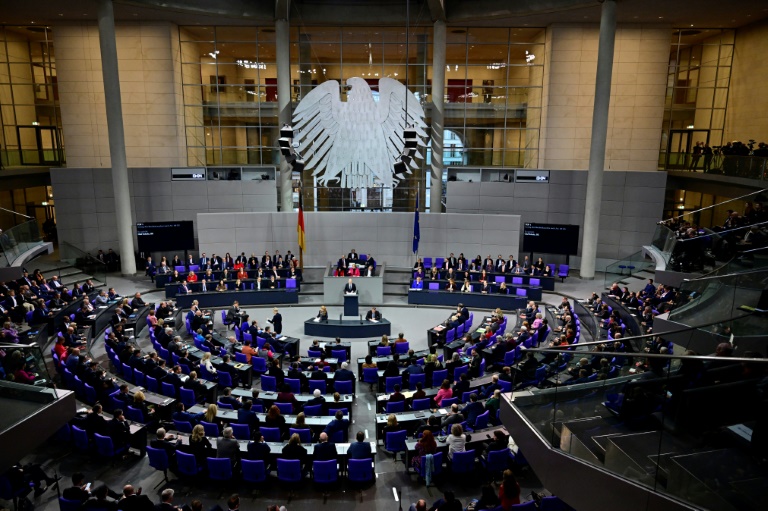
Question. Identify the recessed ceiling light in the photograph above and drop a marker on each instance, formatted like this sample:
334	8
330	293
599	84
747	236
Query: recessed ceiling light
32	22
661	17
61	14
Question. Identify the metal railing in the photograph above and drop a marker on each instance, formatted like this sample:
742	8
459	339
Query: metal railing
635	263
750	167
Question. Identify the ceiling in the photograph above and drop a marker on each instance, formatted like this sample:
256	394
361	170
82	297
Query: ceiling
517	13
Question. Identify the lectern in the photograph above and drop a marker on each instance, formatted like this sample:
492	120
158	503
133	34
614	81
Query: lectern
350	305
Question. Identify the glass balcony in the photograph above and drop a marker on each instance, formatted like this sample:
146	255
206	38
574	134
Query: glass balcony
17	240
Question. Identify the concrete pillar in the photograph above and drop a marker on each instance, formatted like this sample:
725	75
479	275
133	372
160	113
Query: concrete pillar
283	48
599	136
438	116
114	106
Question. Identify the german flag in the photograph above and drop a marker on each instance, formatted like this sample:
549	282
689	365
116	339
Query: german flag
300	223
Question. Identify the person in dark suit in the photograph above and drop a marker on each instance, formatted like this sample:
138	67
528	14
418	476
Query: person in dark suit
396	396
473	409
339	423
133	501
373	314
167	443
325	450
182	415
258	450
77	491
317	399
293	450
228	399
166	501
118	429
246	415
184	289
224	366
137	301
174	377
350	288
359	450
277	321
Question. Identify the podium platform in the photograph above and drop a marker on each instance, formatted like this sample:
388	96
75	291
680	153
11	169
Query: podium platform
347	328
351	305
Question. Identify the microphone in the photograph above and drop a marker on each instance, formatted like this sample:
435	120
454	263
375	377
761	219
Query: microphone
361	319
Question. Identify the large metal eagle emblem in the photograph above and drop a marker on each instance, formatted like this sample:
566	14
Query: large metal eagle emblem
356	142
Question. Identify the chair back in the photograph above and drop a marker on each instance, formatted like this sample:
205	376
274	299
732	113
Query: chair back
241	357
552	503
69	505
325	472
434	286
134	414
459	371
463	462
294	384
396	406
270	434
343	387
391	382
465	396
449	402
183	426
225	406
314	353
259	364
290	283
371	375
90	394
413	379
338	437
211	428
187	464
187	397
562	270
332	411
383	351
158	458
521	291
450	335
285	408
305	435
241	431
168	389
506	386
139	378
529	506
402	347
289	470
220	469
225	379
313	410
437	459
481	422
360	471
427	262
395	442
80	437
439	376
104	445
317	384
254	471
421	404
341	355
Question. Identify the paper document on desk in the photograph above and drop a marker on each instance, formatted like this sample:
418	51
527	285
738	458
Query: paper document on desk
316	320
373	320
282	338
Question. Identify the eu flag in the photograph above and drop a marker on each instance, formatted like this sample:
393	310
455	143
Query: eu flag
416	232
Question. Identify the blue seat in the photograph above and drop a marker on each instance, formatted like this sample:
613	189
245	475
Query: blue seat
506	386
241	357
168	389
293	383
90	394
341	355
80	437
152	385
449	401
271	434
437	461
289	471
183	426
305	435
343	387
241	431
332	411
158	459
313	410
553	502
427	262
187	464
259	365
421	404
371	376
459	371
325	472
391	382
285	408
383	351
496	462
450	335
413	379
481	422
465	396
463	462
402	347
134	414
225	379
360	471
127	372
187	397
69	505
254	471
339	437
439	376
106	448
395	442
211	428
139	378
220	469
529	506
314	353
317	384
396	406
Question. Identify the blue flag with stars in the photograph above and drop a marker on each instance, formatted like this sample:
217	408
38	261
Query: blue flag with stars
416	231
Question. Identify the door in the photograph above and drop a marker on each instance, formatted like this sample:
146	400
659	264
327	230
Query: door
39	145
679	146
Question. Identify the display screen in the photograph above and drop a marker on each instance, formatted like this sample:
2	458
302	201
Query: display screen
162	236
551	238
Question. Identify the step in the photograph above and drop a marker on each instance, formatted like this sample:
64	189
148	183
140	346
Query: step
577	436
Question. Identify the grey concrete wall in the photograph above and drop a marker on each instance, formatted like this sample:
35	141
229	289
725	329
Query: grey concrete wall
85	211
370	290
632	204
388	236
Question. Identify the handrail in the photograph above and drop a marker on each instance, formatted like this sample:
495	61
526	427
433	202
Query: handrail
720	233
736	274
718	204
15	212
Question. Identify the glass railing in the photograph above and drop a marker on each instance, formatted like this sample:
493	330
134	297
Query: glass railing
718	299
679	425
24	364
663	239
750	167
17	240
635	263
83	261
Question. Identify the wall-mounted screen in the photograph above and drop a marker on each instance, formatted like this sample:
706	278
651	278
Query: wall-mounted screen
551	238
163	236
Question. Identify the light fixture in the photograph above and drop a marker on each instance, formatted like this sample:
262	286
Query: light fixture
213	54
248	64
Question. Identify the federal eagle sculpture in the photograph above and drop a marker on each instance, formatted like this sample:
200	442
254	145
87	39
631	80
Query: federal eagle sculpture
357	142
